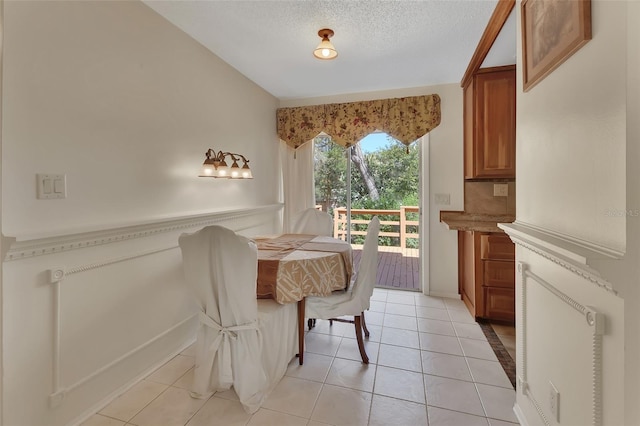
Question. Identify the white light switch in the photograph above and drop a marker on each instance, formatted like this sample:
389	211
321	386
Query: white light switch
58	186
51	186
46	185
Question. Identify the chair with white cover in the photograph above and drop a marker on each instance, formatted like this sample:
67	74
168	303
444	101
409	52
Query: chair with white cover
312	221
355	300
241	341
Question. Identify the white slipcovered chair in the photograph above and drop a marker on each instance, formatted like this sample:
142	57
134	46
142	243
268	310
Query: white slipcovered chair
312	221
355	300
241	341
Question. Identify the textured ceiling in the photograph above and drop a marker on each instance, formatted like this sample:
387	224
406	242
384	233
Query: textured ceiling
381	44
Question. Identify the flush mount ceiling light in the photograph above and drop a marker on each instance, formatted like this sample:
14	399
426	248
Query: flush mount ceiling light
325	49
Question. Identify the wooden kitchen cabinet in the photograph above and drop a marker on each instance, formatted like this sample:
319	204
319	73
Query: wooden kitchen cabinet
490	124
469	270
499	304
486	273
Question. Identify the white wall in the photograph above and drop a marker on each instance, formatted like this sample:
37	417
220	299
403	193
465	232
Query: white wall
125	105
445	176
571	138
630	273
577	176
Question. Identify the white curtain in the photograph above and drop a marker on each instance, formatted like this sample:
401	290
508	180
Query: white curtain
298	189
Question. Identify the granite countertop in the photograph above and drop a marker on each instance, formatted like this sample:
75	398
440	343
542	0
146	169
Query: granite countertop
462	221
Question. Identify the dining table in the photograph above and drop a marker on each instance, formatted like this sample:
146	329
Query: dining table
294	266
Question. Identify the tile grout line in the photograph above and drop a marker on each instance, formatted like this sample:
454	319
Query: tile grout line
458	335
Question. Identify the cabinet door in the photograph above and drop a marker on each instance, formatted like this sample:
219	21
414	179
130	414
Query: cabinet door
498	273
500	304
497	247
496	124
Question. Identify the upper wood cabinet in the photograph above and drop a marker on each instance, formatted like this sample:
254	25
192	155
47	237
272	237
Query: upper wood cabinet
490	124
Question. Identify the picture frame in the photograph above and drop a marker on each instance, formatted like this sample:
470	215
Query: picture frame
552	31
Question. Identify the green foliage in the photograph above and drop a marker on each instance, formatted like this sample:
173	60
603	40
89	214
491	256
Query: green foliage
394	170
330	173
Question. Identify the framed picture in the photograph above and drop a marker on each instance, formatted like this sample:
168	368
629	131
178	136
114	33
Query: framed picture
552	31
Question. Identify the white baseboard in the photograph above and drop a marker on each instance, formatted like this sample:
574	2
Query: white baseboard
520	415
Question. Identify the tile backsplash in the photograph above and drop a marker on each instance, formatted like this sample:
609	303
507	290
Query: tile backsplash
479	198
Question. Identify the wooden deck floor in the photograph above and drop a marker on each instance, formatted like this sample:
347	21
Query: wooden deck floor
396	269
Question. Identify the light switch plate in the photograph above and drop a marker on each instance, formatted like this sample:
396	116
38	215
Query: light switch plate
50	186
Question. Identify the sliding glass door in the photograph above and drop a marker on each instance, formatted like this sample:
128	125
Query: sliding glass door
377	176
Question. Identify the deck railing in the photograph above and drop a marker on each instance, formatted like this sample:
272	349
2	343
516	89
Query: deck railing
340	223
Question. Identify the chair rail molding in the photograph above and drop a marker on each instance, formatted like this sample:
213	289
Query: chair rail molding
570	253
21	247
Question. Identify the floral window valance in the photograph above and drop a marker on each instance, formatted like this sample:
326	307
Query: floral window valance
406	119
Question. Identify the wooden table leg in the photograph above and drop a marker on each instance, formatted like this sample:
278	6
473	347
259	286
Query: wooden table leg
301	306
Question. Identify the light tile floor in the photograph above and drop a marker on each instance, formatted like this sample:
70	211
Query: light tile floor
430	364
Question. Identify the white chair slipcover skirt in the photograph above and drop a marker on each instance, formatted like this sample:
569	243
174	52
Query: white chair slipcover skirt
357	299
241	342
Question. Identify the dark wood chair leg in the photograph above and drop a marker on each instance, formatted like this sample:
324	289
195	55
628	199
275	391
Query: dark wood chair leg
301	306
330	322
311	322
364	325
358	324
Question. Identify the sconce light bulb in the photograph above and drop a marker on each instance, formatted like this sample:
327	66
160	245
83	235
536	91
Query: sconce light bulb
326	52
208	169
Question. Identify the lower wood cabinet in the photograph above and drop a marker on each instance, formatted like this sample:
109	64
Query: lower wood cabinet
486	270
499	304
498	273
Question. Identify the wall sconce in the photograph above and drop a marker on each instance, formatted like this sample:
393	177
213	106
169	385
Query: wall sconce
216	166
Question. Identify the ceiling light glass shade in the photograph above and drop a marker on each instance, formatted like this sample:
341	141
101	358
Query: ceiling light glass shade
325	49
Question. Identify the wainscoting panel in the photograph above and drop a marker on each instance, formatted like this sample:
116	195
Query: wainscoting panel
87	315
569	335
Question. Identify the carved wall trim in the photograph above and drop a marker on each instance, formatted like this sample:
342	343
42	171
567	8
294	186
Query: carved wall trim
593	319
21	248
562	251
256	216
